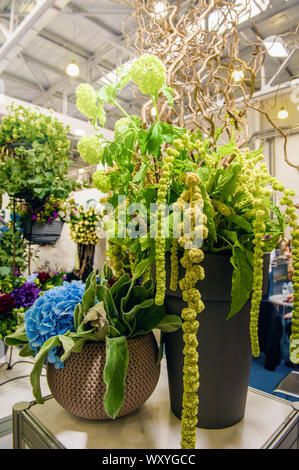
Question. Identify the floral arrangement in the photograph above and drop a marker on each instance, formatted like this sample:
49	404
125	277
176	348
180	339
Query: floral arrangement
34	161
64	318
53	209
83	226
18	294
160	163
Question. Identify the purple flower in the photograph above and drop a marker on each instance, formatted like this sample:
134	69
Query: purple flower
26	295
55	215
34	217
49	220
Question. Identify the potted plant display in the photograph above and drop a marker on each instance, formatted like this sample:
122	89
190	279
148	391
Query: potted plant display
43	224
18	294
83	229
34	161
197	211
102	357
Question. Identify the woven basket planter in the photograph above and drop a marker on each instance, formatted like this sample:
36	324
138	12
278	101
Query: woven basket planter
42	233
79	387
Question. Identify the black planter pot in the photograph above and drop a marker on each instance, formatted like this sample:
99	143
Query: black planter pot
224	347
42	233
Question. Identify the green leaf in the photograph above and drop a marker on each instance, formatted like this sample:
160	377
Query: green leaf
140	175
117	360
71	344
170	323
227	180
107	93
168	93
148	319
37	368
241	222
89	296
140	268
242	280
155	140
123	280
142	138
26	351
18	338
78	316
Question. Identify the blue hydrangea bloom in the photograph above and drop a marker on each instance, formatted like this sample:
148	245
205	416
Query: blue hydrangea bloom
52	314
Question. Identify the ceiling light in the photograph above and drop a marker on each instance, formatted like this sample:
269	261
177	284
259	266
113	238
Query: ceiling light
73	69
276	47
237	75
282	113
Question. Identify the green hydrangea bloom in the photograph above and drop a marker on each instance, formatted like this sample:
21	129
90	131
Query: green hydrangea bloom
101	181
90	149
149	74
87	100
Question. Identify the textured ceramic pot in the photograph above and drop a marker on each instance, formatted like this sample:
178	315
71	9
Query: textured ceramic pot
224	347
79	387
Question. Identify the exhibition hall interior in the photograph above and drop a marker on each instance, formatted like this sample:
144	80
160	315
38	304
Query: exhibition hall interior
149	234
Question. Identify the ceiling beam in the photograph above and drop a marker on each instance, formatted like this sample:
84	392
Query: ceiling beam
65	43
43	13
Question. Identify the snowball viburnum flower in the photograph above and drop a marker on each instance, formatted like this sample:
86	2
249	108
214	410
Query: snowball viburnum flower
90	149
87	100
101	181
149	74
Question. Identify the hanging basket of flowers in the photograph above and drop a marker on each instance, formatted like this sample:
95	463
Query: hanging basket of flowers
34	160
43	224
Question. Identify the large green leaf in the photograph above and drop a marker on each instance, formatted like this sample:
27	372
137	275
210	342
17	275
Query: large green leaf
169	323
241	222
26	351
117	360
242	280
71	344
89	296
17	338
227	180
37	368
147	319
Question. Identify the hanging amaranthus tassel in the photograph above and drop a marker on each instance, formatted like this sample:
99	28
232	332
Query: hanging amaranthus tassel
291	212
194	273
259	230
174	277
160	239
